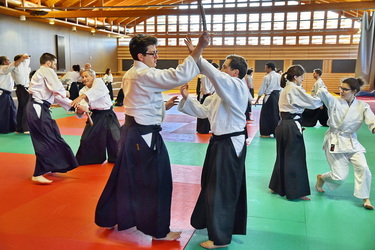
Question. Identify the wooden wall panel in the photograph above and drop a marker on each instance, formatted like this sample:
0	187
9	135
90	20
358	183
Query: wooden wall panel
251	53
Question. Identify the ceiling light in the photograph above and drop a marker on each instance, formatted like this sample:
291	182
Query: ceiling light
22	18
74	28
52	21
93	31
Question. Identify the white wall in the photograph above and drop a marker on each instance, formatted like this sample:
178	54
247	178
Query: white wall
36	38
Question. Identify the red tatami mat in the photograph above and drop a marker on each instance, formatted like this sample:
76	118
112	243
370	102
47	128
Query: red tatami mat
61	215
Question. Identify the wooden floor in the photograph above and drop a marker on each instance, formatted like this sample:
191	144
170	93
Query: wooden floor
61	215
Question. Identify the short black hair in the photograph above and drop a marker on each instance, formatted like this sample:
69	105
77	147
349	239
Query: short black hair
318	71
271	65
139	43
238	62
47	57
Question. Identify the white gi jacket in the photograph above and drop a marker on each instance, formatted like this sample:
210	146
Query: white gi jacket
270	83
206	86
143	88
71	76
108	78
343	122
21	73
6	80
226	108
295	100
317	85
45	85
97	95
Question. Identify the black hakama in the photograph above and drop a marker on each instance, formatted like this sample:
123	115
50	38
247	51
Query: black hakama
269	115
99	139
311	116
203	125
23	99
222	205
139	189
110	89
290	175
120	98
52	153
7	112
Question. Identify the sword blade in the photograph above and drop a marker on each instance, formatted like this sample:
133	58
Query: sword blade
203	15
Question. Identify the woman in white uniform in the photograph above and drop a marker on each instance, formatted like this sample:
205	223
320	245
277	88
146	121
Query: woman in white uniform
346	115
290	177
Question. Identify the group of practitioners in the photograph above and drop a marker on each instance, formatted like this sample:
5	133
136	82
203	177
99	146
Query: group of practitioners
138	192
287	108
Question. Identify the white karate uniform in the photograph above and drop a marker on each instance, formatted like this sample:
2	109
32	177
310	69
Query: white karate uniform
97	95
143	87
271	82
71	76
108	78
226	108
206	86
317	85
6	80
45	86
21	73
341	144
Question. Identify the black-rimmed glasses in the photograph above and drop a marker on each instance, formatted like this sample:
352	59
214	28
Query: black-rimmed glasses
155	53
343	89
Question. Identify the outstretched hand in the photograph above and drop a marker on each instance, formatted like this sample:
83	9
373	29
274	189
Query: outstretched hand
189	44
184	90
171	102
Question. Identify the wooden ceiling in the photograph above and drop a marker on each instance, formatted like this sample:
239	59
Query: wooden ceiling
108	15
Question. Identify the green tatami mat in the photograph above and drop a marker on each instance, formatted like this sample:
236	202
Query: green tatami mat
334	220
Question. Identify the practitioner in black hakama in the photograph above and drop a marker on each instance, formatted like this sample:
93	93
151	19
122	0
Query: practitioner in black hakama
289	176
222	206
139	190
52	153
269	114
102	136
7	107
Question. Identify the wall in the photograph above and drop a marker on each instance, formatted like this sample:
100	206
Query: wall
35	38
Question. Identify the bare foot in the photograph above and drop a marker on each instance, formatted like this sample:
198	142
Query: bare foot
41	179
305	198
272	191
367	204
170	236
319	183
210	245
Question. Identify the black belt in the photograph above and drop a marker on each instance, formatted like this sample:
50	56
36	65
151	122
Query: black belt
225	136
288	116
6	91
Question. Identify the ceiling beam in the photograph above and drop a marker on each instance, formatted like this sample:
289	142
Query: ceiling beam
344	6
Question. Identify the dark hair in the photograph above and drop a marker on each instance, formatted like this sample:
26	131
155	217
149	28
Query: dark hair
215	65
318	71
107	71
271	65
31	74
139	43
17	57
76	68
238	62
3	59
294	70
47	57
355	84
279	70
249	71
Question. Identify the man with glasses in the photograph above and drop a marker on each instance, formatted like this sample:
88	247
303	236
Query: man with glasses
139	190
